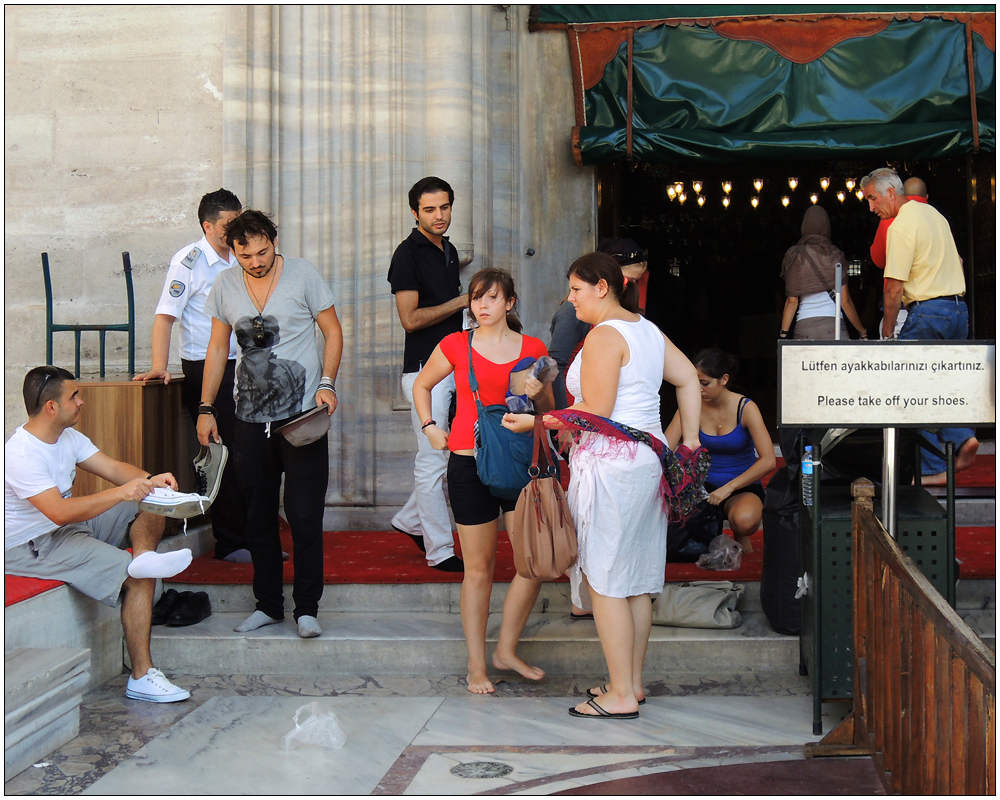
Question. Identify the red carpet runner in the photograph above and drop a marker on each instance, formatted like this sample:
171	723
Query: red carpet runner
390	557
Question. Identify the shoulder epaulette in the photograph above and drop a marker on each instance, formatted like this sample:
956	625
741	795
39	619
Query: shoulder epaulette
190	258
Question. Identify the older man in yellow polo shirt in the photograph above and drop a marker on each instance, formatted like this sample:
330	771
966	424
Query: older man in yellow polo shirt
923	272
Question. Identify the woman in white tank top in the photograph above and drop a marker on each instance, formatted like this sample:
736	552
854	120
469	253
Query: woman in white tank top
614	493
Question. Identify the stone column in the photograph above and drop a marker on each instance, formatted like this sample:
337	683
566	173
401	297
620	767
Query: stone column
448	114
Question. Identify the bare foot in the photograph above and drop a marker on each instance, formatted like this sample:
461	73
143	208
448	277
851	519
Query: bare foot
479	684
600	691
512	662
966	455
744	542
964	458
580	612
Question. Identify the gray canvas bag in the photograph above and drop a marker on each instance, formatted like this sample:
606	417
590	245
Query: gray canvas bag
699	604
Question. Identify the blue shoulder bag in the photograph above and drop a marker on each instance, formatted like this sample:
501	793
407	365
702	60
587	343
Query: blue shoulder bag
502	456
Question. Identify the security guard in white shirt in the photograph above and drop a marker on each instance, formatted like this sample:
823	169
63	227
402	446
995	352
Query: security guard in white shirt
192	271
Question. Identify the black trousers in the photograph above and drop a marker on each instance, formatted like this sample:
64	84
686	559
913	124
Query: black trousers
229	514
260	462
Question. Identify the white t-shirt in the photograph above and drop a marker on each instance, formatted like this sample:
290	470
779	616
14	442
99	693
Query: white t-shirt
192	271
31	467
816	305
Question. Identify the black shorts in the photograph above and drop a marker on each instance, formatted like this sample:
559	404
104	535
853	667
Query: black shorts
472	503
753	488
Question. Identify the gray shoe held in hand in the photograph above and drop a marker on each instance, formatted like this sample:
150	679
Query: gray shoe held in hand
208	468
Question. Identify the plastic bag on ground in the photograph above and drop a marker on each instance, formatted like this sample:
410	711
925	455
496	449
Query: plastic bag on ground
724	553
320	727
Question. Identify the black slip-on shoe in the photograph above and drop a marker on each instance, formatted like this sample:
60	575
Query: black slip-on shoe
190	610
453	564
165	606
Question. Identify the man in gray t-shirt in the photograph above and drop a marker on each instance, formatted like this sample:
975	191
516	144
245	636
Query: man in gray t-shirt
274	304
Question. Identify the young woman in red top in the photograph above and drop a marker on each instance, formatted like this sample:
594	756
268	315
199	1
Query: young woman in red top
497	346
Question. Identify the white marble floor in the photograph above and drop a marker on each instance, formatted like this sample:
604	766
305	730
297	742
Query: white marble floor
453	745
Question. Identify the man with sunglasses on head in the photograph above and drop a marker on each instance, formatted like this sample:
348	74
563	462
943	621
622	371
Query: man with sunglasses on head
274	304
52	535
190	277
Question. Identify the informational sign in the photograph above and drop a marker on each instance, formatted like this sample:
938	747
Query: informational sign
891	384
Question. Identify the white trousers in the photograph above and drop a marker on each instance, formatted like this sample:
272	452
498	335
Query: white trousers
426	511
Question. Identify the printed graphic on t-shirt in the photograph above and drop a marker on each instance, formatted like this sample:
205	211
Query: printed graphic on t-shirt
266	385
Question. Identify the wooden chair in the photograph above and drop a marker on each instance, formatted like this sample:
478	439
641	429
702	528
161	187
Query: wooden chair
77	329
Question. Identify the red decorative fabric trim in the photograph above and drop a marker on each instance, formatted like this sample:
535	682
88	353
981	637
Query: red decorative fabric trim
800	41
589	53
987	28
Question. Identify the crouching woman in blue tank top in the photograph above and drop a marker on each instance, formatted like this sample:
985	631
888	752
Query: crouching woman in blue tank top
734	432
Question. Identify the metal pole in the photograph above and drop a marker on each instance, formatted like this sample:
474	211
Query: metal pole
838	274
889	481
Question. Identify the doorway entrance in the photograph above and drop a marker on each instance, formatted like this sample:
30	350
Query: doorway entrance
715	255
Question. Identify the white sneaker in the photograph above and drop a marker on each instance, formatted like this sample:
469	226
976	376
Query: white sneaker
153	687
179	505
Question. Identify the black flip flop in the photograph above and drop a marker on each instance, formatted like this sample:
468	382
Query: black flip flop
590	693
580	616
602	713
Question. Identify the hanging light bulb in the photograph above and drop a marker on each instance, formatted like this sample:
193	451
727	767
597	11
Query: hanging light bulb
824	183
758	183
725	201
671	192
849	183
841	196
697	187
678	186
682	197
701	199
792	183
859	194
727	187
754	201
785	201
814	198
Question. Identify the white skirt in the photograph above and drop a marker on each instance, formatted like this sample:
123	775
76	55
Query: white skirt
620	522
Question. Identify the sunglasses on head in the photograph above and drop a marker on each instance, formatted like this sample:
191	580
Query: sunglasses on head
50	372
630	258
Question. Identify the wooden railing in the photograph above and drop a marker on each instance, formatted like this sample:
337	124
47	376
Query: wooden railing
924	683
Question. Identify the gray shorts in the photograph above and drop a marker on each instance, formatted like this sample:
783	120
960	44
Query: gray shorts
89	556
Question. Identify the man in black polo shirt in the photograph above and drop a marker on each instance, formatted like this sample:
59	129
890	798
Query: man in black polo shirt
424	278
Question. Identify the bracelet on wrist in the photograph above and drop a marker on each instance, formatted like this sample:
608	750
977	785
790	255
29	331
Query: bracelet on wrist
207	408
428	424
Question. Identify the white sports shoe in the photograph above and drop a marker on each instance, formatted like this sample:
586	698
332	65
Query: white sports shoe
153	687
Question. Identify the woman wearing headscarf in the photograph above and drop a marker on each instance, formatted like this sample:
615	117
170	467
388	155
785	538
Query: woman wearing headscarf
808	272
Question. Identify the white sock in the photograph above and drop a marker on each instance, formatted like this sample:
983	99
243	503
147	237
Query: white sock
258	619
159	565
309	627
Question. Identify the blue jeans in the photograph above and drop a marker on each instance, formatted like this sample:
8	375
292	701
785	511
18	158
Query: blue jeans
940	318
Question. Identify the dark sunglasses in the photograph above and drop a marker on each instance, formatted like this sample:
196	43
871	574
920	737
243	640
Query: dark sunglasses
259	334
630	258
50	372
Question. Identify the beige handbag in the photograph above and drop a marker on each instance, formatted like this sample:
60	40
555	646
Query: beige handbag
699	604
542	533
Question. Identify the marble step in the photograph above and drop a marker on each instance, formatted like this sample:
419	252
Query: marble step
389	597
445	597
432	644
43	689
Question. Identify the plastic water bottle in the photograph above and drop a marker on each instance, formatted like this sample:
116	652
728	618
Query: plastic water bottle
807	477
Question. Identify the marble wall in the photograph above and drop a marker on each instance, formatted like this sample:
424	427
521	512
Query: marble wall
323	116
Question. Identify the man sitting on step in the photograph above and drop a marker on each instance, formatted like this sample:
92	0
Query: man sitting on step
50	534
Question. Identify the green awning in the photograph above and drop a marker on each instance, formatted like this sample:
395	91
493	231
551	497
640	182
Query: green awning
766	89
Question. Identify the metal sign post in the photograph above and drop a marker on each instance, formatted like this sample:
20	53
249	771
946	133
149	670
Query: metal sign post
837	275
889	481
